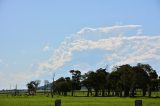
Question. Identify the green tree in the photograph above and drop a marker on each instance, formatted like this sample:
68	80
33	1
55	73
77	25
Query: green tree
76	76
101	76
37	83
152	74
87	82
46	87
62	86
140	80
114	81
96	80
31	88
120	80
125	81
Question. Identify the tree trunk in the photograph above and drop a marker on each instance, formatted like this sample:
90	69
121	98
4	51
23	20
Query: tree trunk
109	92
126	93
52	92
149	92
72	92
120	93
65	93
132	93
88	93
113	92
96	92
103	92
144	92
91	91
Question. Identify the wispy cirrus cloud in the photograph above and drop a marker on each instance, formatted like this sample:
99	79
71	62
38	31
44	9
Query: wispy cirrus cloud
137	49
124	44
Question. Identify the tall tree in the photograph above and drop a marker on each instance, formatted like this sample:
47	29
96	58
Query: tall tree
152	74
76	76
140	80
46	87
87	82
96	80
101	75
31	88
125	81
114	79
37	83
62	86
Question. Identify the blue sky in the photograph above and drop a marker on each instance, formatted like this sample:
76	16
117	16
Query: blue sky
40	37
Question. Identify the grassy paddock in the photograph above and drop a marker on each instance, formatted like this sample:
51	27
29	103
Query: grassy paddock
75	101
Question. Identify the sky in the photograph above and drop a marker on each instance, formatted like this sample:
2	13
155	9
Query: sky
39	38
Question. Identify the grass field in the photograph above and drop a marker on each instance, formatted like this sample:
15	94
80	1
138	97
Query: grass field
75	101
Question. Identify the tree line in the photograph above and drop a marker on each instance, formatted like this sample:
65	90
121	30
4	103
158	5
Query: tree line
123	80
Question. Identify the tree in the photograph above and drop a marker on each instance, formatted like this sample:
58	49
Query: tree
62	86
140	80
114	79
37	83
31	88
76	76
127	78
125	72
46	86
87	82
158	84
96	80
101	76
151	74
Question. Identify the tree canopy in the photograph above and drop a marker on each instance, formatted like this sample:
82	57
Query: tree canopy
123	80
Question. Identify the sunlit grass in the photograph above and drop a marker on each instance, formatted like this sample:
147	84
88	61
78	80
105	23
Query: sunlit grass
75	101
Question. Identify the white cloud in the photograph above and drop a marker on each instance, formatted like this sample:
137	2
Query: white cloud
11	78
139	31
122	44
21	78
124	48
46	48
107	29
83	67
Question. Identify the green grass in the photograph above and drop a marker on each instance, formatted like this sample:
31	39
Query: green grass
42	100
75	101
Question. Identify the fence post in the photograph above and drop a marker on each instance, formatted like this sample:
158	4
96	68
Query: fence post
138	102
58	102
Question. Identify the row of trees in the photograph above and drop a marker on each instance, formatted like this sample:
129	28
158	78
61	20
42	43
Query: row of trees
63	85
123	80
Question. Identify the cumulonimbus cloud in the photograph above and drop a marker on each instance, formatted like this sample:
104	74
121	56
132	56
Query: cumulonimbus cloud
123	43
